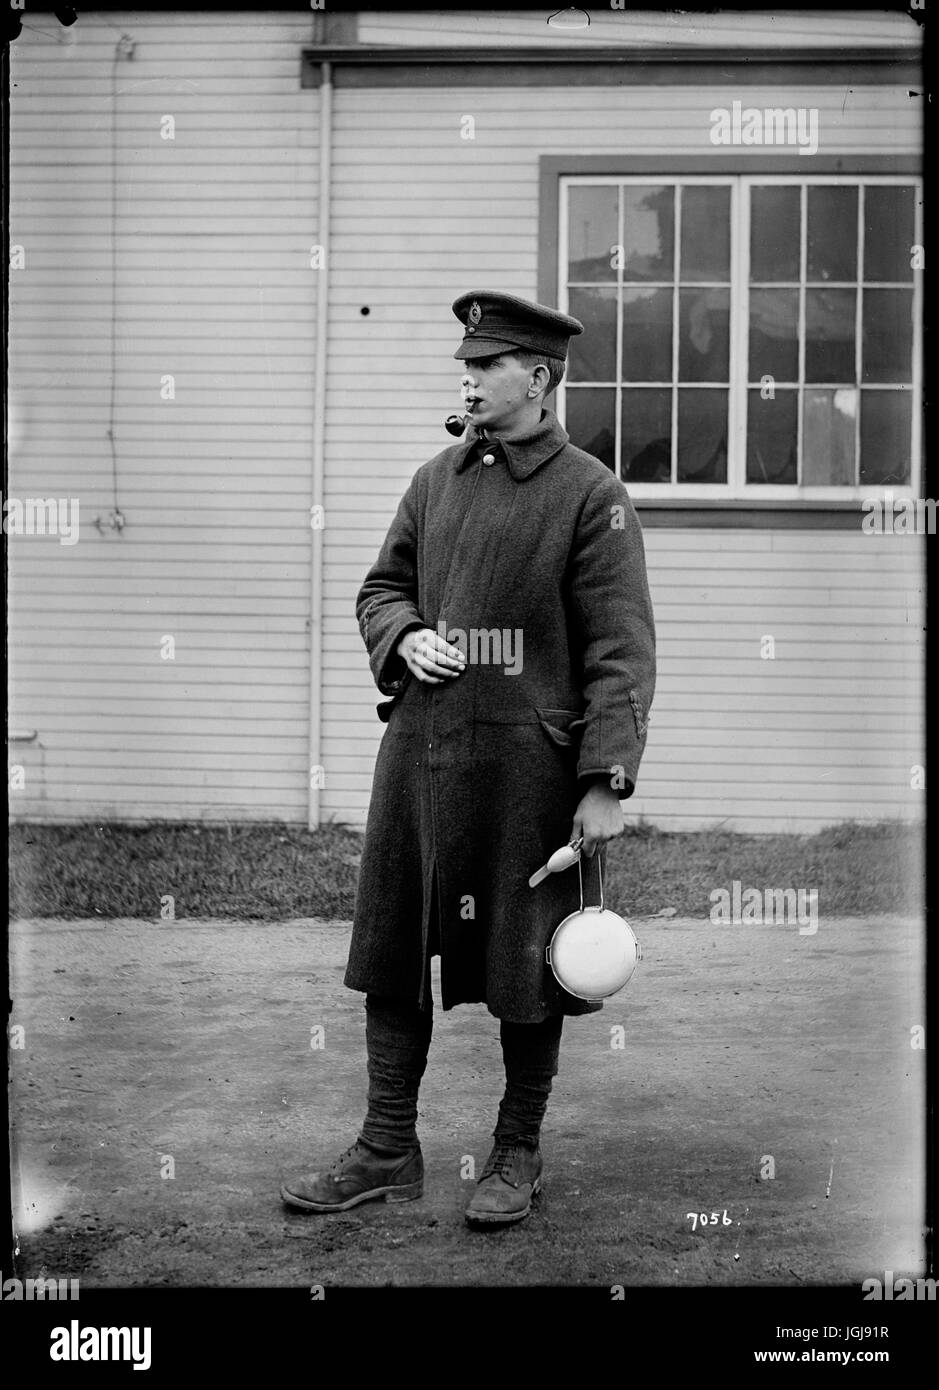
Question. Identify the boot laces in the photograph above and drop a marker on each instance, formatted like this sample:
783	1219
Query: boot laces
351	1152
502	1158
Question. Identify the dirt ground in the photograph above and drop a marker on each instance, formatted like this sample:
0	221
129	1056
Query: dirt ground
166	1080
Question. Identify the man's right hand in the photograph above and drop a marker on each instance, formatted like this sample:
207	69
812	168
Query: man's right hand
429	657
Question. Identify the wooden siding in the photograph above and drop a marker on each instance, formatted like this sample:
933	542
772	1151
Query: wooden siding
418	216
821	29
214	287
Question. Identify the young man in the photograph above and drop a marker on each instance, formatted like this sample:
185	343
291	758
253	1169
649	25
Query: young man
508	620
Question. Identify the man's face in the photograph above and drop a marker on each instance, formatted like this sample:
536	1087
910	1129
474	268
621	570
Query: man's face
496	391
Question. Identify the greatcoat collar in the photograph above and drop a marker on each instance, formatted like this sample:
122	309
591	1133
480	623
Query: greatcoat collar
522	456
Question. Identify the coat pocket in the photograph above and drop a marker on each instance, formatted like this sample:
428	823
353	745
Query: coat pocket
563	726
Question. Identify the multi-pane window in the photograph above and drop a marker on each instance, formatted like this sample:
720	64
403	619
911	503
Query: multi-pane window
745	335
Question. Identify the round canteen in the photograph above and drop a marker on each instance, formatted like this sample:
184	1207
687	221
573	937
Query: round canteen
594	951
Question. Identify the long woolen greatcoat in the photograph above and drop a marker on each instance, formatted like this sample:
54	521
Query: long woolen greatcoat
477	779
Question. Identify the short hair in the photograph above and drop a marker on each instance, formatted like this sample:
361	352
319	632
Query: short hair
531	360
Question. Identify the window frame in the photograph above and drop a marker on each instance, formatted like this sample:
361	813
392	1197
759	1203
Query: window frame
558	175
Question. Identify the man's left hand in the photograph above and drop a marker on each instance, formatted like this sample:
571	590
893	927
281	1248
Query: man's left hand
598	818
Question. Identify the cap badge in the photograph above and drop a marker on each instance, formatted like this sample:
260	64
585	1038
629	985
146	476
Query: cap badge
475	314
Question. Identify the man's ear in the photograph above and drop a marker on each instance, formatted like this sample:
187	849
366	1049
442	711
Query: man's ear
541	377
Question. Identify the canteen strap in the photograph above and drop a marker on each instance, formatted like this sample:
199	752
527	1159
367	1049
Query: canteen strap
580	875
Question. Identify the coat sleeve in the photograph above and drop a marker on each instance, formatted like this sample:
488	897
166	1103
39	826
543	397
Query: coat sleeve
614	628
386	607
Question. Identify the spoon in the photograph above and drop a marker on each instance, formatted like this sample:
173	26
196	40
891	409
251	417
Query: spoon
561	859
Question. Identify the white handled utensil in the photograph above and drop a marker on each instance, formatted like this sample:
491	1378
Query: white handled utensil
562	858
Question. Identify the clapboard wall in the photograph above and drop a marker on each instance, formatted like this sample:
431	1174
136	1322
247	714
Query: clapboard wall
822	29
831	728
213	288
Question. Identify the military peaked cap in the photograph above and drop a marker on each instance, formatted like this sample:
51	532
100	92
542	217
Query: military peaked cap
495	323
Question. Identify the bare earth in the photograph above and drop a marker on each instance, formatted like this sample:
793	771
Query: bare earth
185	1048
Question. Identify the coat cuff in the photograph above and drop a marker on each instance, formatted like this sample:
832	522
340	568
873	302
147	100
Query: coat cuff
614	778
388	667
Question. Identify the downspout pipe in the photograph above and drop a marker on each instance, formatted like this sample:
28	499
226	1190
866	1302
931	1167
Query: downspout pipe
316	772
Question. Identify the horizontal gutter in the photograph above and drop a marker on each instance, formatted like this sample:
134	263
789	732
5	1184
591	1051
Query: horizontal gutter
391	65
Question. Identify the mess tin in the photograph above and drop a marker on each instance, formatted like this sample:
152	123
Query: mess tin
594	951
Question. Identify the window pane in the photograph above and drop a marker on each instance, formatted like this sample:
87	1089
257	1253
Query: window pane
590	421
647	335
831	233
702	436
886	418
592	354
774	233
828	420
705	232
648	233
593	232
771	437
830	336
646	455
704	335
888	232
774	334
887	343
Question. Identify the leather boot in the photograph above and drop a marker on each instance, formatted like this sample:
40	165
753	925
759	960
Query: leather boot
363	1173
511	1177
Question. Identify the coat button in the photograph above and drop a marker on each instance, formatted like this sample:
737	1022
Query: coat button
488	460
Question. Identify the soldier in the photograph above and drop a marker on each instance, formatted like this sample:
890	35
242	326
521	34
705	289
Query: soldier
489	764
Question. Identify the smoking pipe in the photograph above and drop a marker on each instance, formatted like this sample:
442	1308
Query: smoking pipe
456	424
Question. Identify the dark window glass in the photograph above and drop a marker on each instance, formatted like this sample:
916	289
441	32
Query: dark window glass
592	354
774	233
771	438
647	335
831	233
887	341
830	336
888	232
591	421
849	435
593	232
646	455
702	436
705	232
829	419
774	334
648	233
886	418
704	335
